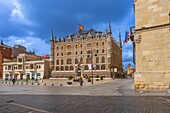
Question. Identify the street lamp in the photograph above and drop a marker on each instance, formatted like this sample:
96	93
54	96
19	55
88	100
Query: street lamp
92	63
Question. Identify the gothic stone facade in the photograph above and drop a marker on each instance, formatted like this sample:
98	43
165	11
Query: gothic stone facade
152	41
76	54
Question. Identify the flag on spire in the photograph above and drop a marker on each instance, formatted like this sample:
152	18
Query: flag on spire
81	27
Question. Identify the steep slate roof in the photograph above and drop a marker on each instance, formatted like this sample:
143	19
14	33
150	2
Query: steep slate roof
85	33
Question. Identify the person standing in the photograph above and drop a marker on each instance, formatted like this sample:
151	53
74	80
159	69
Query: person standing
13	80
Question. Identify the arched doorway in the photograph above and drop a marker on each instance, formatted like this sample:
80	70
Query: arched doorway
78	72
38	76
28	76
7	76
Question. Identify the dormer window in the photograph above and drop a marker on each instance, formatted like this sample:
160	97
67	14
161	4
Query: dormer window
69	39
20	60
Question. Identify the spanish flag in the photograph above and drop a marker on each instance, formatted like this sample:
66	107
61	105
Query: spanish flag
81	27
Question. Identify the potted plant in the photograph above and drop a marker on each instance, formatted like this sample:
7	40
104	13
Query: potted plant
69	78
88	79
101	77
97	76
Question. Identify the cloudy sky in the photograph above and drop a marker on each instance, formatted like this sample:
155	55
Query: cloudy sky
29	22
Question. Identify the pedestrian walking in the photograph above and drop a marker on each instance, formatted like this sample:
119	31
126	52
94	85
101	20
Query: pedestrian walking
13	80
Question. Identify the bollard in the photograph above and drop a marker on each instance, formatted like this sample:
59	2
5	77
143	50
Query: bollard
32	83
52	84
21	82
45	84
9	82
38	84
17	83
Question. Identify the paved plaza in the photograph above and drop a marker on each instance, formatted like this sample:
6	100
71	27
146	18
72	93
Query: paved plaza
118	96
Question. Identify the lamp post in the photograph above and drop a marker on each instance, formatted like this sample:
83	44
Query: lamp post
92	63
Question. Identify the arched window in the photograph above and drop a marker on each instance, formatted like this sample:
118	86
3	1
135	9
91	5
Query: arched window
102	43
71	68
68	53
61	54
57	54
86	67
88	60
69	47
57	62
109	60
76	52
103	67
81	52
89	52
89	45
61	47
97	67
97	51
66	68
103	59
97	59
81	45
57	68
62	62
57	48
76	61
69	61
102	50
76	46
81	61
62	68
97	44
39	66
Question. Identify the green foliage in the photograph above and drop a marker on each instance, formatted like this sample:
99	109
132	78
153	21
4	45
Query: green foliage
70	77
97	76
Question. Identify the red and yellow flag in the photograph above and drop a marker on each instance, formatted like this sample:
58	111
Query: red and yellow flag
81	27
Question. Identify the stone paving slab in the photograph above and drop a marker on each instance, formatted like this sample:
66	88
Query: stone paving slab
90	104
122	87
59	82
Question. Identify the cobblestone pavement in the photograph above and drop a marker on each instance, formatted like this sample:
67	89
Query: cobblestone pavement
119	87
116	96
83	104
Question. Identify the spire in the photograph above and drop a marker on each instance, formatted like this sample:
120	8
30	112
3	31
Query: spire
2	42
52	36
120	41
109	31
89	35
33	51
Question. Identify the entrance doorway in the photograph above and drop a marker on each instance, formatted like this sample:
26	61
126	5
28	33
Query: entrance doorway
38	76
78	72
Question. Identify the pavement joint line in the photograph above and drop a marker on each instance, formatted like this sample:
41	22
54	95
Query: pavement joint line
167	100
27	107
121	85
